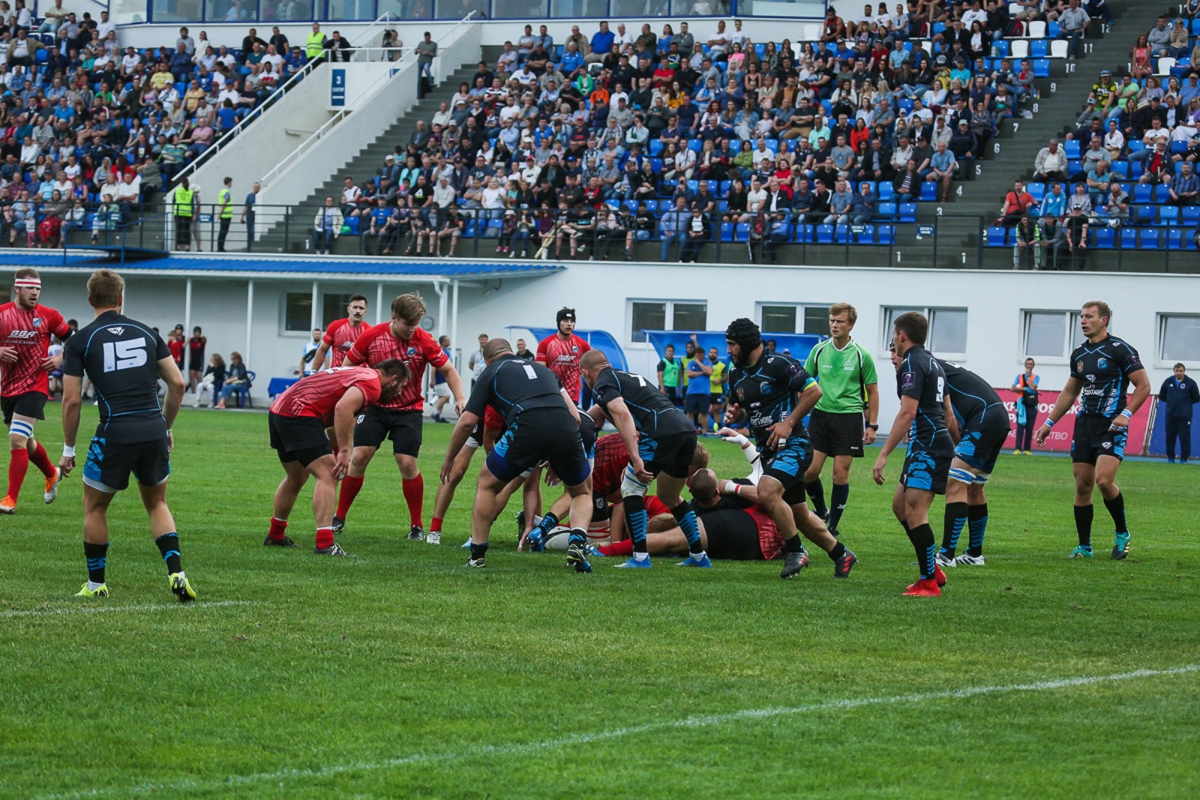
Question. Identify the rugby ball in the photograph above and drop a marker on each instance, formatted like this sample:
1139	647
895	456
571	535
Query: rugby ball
558	538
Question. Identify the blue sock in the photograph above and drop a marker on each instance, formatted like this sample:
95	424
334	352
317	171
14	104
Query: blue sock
979	518
691	527
635	516
97	559
168	545
956	520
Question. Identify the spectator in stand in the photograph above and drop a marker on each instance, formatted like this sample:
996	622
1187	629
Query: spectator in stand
327	226
426	52
1051	163
1159	38
236	378
1183	189
1016	204
1073	23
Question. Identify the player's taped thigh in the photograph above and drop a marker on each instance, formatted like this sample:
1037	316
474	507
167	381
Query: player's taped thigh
20	427
631	486
982	478
963	475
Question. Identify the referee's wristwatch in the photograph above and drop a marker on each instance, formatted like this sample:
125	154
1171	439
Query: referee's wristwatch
873	426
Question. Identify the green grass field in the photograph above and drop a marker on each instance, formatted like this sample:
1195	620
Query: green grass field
403	674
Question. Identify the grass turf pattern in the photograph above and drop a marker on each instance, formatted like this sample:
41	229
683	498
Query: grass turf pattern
403	674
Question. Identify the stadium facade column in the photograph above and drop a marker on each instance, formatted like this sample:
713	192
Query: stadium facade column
379	302
316	311
187	309
440	288
454	313
249	321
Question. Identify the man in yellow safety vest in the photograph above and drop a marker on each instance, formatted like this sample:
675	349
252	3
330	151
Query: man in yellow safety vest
225	210
183	200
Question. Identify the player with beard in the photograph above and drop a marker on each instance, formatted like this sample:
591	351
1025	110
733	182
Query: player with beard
341	334
773	394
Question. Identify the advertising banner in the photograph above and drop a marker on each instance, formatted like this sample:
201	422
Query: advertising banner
1059	439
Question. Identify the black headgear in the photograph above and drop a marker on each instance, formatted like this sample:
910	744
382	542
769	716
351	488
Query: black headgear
744	333
564	313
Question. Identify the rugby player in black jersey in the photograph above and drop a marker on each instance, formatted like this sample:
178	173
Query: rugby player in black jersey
1101	370
773	393
542	425
661	443
924	408
124	359
982	427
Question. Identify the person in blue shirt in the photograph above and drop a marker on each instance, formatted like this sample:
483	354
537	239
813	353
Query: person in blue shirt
602	42
1179	394
698	395
1054	204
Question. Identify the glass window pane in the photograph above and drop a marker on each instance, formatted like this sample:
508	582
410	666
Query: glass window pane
286	11
647	316
457	9
351	9
888	331
178	11
298	312
779	319
333	306
690	317
565	9
948	331
528	10
816	320
809	9
125	12
1045	334
231	11
1181	339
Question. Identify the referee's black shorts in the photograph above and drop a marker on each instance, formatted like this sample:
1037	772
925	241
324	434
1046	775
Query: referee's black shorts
836	434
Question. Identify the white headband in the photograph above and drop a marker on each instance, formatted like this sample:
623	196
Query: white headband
27	283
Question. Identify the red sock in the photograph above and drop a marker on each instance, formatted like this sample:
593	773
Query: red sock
435	525
414	495
324	537
42	461
621	548
350	487
278	529
17	467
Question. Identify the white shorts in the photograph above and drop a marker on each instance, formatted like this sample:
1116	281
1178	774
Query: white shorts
441	390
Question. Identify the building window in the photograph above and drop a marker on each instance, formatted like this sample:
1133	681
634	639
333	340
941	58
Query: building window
947	329
333	306
665	315
1046	334
793	318
297	313
1178	338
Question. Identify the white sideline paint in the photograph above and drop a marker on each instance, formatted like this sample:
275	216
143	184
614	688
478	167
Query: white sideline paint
528	748
99	609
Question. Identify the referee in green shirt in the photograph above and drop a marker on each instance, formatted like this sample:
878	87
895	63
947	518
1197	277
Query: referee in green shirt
849	389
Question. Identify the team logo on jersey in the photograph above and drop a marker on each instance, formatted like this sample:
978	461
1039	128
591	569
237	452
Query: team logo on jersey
1106	445
37	321
741	393
1079	366
117	331
1135	361
1101	364
1091	378
412	352
575	349
766	388
908	380
22	334
347	345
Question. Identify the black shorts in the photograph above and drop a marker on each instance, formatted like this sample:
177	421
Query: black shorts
733	535
300	439
671	454
109	464
788	465
672	393
716	399
475	437
980	448
30	404
402	427
537	435
927	468
1094	438
695	403
836	434
196	364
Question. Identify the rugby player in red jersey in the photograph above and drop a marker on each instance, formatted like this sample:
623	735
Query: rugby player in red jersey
25	330
399	419
298	420
561	352
341	334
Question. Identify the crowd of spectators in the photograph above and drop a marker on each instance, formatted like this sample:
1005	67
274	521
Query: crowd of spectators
1130	159
595	138
90	130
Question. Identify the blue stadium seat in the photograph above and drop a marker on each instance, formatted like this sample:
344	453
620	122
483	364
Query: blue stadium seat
743	231
723	189
864	234
1162	193
352	223
1074	166
1149	239
1037	190
693	186
656	147
1001	48
886	211
1120	168
1168	215
652	206
773	145
1052	30
1175	239
886	234
824	234
929	191
908	212
1144	215
722	206
1105	238
885	190
1039	48
1143	193
726	231
997	236
1128	239
1072	148
1041	68
469	229
843	234
695	144
1191	216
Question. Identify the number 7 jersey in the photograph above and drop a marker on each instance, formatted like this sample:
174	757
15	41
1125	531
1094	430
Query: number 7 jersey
120	356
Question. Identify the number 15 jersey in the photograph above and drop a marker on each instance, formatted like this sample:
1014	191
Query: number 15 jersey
120	356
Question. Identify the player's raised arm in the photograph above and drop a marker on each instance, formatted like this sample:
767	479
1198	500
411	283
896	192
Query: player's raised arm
344	414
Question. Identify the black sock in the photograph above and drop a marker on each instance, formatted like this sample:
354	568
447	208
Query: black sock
816	493
978	516
168	545
547	523
924	545
577	536
478	551
1116	509
956	520
793	545
1083	524
837	504
97	558
686	518
838	551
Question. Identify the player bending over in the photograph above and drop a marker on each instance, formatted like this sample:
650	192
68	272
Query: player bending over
124	360
542	425
298	420
25	364
773	393
1101	370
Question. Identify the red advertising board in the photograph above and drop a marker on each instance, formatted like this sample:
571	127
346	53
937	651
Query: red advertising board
1059	439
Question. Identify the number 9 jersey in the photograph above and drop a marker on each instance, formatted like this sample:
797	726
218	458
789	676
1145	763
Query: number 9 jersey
120	356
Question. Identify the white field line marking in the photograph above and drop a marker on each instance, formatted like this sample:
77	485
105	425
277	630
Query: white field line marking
101	609
528	748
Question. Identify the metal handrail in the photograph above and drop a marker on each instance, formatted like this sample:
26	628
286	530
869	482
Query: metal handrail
341	114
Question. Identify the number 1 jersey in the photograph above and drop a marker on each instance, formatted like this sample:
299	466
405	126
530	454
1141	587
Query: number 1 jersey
120	357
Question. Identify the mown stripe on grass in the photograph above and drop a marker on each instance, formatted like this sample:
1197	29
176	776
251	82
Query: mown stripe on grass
101	609
529	748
